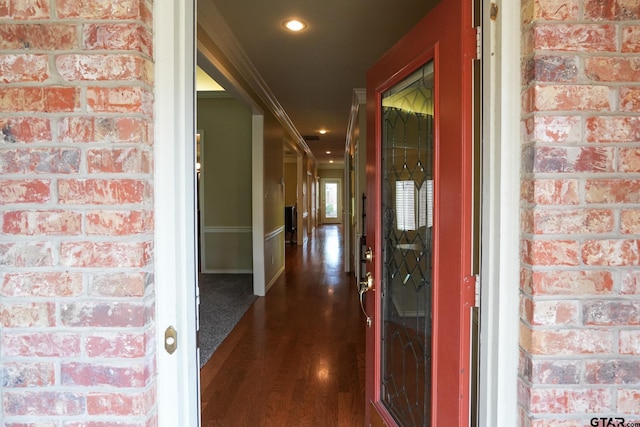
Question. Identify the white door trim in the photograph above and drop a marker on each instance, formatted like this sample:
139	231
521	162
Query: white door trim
257	204
178	393
301	236
498	405
346	217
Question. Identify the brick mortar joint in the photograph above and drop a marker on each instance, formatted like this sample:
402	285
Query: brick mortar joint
73	21
81	84
583	54
580	84
588	114
87	272
102	52
82	146
585	239
582	114
612	330
581	238
582	177
75	51
581	357
577	269
612	388
582	22
537	207
78	238
581	299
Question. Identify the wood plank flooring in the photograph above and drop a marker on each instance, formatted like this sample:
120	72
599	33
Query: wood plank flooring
296	358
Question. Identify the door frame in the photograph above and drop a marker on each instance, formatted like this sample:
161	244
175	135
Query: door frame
178	374
176	399
500	245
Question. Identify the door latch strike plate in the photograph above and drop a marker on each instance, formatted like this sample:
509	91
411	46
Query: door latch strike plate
471	291
170	340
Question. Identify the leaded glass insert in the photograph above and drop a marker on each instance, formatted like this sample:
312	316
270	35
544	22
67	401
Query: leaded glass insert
407	226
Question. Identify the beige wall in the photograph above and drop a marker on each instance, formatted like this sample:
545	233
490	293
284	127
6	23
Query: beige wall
304	200
225	184
331	173
273	174
274	135
227	175
290	184
300	191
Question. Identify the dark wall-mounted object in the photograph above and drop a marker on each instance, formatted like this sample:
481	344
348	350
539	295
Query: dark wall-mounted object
290	221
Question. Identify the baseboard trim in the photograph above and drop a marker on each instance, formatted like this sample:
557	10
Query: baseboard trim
226	271
275	278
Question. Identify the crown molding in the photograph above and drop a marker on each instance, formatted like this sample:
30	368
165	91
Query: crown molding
211	22
361	95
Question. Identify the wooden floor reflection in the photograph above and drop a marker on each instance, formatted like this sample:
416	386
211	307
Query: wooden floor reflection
297	356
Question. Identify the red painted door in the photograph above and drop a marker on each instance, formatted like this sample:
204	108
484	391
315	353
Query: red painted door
419	195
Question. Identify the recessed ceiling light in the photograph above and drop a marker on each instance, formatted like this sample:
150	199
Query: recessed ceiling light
323	131
328	152
294	25
330	161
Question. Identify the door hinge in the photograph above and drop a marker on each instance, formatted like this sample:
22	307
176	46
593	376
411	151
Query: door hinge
472	291
479	42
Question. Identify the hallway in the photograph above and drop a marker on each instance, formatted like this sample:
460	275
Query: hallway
296	358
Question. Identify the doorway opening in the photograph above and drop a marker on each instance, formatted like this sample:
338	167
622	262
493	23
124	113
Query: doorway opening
334	213
176	403
331	200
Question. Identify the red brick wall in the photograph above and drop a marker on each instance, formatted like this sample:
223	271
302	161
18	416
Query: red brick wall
580	281
76	213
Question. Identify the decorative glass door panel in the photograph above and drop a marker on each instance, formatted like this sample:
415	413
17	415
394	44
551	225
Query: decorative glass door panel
407	224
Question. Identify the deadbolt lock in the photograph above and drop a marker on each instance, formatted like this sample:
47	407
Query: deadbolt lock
368	255
170	340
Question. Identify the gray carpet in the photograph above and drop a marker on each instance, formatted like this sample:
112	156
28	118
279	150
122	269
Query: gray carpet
224	298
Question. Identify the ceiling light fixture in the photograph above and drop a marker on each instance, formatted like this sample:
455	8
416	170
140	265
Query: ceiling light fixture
294	25
328	152
323	131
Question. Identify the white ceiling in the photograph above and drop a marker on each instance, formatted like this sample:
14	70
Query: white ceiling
313	73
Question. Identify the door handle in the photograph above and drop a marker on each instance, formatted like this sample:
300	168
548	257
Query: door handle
364	286
366	283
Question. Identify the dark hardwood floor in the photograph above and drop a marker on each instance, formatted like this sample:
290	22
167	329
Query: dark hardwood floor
296	358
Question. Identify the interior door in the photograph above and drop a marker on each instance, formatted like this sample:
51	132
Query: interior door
419	194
